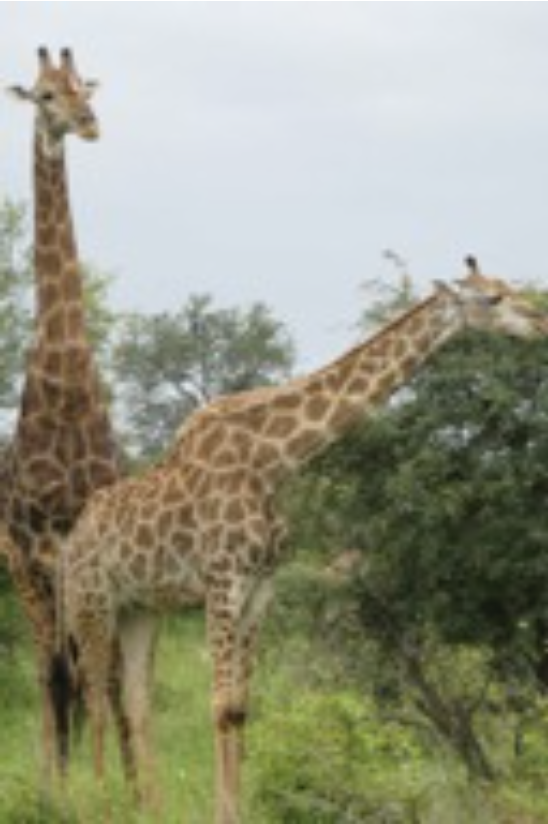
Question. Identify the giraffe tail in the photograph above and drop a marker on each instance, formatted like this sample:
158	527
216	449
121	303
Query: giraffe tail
61	629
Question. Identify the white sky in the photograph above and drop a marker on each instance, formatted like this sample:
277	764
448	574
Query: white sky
271	151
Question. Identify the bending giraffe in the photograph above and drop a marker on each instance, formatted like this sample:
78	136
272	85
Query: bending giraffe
63	447
202	526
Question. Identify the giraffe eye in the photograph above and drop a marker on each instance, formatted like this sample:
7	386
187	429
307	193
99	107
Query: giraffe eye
493	300
47	97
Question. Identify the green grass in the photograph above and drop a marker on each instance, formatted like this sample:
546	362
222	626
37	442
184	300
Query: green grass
293	723
183	743
184	729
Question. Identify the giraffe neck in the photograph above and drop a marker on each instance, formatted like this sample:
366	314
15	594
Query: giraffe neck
299	420
63	447
60	314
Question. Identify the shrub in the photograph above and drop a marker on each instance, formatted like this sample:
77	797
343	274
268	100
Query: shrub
326	759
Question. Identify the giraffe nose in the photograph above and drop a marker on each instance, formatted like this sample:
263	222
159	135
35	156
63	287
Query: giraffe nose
88	126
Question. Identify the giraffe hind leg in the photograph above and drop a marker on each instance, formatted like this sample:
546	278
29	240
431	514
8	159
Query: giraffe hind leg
121	720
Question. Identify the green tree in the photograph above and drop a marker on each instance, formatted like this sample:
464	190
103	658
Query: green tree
458	496
167	365
445	492
15	313
102	321
388	299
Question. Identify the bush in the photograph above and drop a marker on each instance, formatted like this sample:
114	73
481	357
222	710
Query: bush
326	759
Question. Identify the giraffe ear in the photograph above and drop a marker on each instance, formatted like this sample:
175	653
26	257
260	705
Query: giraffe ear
21	94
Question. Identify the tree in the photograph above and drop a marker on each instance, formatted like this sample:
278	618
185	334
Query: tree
447	489
102	321
388	300
167	365
15	315
445	493
460	506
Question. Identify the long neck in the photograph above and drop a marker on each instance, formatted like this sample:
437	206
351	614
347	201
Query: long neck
60	313
300	419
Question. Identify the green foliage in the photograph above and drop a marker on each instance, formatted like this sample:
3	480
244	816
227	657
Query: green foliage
15	282
388	301
313	649
167	365
456	504
102	322
317	751
13	635
446	490
326	759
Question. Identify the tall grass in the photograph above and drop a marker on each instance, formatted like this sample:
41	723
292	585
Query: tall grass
293	726
183	743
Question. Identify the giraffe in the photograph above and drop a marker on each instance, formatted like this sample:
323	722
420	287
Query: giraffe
202	527
63	446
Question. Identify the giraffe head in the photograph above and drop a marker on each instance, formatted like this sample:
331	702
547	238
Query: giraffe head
491	304
62	101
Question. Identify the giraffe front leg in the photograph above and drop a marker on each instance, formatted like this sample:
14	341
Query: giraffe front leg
229	715
232	637
229	729
138	633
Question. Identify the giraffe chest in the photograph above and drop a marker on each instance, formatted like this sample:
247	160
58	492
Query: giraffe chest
154	557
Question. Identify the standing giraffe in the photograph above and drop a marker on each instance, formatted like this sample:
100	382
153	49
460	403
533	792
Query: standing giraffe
63	448
202	526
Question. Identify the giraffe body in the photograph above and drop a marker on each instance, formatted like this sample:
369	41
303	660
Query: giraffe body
63	447
202	525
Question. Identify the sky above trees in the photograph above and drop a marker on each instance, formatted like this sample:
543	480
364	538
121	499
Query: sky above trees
271	151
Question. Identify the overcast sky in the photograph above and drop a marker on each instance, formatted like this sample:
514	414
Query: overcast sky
271	151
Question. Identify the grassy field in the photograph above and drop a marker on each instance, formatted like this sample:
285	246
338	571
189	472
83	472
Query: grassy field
314	756
183	743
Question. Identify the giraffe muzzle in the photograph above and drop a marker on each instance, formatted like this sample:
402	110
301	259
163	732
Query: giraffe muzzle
88	128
